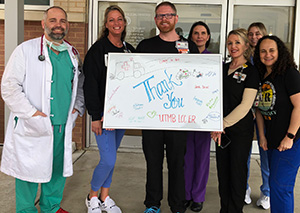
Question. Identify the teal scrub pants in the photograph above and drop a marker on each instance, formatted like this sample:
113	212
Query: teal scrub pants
51	192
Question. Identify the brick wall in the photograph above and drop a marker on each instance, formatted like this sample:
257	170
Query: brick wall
77	37
77	6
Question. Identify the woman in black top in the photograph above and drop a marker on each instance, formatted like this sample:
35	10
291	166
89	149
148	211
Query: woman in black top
279	114
240	84
108	141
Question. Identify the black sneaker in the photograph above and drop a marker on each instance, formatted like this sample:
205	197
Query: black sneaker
196	207
187	203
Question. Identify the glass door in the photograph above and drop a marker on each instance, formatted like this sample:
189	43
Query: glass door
140	25
221	16
278	16
212	12
140	16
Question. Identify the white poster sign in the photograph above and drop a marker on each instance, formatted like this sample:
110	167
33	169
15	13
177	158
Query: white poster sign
164	91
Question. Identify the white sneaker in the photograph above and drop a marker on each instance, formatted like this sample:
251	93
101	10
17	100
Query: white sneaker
263	201
93	205
247	196
109	206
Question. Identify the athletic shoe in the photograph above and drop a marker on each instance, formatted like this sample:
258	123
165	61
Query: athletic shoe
152	209
196	206
109	206
60	210
247	196
263	201
187	203
93	205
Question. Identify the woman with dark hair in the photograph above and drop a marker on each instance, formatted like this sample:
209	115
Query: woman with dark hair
278	119
108	140
197	157
240	85
200	34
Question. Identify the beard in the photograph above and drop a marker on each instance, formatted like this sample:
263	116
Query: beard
166	28
56	36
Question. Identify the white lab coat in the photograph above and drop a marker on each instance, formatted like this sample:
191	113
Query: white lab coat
26	87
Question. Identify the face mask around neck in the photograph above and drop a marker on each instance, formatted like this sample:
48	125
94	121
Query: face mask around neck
60	47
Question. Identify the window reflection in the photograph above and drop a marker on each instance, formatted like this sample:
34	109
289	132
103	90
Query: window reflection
32	2
140	20
278	20
210	14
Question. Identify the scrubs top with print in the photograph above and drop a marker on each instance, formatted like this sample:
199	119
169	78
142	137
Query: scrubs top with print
275	105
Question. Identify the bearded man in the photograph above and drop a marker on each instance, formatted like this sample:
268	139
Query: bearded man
154	141
42	87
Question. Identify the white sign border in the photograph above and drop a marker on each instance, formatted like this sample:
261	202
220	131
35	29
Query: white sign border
105	126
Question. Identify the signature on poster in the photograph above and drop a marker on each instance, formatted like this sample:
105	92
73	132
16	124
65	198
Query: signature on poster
213	116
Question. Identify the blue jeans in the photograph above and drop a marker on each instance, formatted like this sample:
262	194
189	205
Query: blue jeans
283	171
108	144
264	167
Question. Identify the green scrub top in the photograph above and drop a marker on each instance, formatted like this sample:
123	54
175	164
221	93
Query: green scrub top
61	88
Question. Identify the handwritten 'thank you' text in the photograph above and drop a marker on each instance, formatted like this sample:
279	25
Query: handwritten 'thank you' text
160	89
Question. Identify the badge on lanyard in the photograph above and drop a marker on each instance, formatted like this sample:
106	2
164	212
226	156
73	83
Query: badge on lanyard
182	46
126	50
105	59
240	76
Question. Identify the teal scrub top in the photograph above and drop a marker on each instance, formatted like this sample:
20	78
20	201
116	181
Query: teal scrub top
61	88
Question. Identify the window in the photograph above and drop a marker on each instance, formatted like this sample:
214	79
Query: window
140	20
278	20
210	14
32	2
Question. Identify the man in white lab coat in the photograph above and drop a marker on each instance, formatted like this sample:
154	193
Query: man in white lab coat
42	87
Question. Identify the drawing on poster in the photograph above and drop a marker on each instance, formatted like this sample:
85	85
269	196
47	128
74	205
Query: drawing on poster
164	91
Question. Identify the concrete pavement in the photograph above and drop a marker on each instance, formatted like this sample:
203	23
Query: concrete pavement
128	186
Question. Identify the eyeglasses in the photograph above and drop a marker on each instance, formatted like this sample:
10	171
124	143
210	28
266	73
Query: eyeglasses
167	16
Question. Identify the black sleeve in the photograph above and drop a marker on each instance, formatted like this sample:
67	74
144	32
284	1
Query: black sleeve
193	47
139	48
292	81
92	68
252	79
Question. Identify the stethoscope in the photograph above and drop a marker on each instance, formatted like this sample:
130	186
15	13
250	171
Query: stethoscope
41	57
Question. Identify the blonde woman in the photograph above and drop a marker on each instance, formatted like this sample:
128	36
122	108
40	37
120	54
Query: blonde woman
108	141
256	31
240	85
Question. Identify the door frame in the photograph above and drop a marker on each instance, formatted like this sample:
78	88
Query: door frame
93	30
223	4
226	24
278	3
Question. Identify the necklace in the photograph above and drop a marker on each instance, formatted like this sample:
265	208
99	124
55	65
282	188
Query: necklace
115	41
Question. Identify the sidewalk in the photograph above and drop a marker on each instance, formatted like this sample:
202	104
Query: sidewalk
128	186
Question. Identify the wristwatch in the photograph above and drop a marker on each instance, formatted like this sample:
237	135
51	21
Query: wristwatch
290	135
